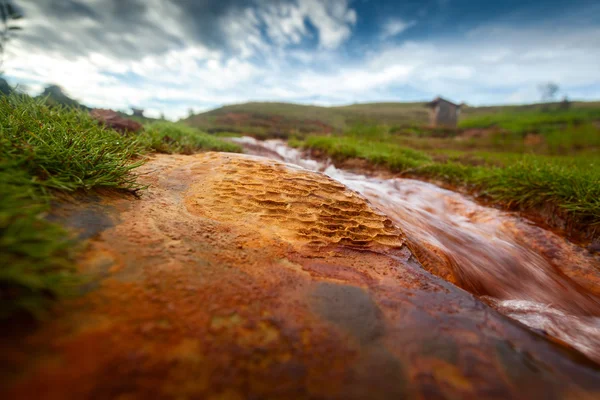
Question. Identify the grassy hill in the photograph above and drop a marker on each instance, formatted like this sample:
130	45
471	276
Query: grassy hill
286	118
283	119
269	118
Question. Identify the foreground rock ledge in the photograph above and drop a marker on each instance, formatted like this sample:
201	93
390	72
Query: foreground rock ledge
239	277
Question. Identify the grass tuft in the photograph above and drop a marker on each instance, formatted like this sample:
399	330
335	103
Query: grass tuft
63	148
169	137
35	255
397	158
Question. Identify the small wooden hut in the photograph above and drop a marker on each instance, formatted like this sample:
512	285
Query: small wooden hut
137	112
443	113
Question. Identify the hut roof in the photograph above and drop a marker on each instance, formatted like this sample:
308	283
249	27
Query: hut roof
438	100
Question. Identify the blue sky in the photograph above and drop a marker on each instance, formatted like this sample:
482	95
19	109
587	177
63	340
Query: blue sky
171	55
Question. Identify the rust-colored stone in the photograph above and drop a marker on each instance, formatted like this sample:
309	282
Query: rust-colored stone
306	210
238	277
113	120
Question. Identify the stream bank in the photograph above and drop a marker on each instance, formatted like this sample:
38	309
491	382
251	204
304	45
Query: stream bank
523	270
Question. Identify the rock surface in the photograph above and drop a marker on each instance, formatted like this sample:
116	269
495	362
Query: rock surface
113	120
238	277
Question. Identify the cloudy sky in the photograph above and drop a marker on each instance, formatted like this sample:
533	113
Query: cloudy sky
171	55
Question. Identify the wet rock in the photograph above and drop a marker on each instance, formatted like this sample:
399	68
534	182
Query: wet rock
594	247
322	300
113	120
309	210
351	308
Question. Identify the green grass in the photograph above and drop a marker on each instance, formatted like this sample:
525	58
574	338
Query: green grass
572	138
35	255
168	137
63	148
45	149
535	182
533	121
395	157
227	134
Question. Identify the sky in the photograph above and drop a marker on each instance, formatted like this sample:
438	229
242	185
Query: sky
170	56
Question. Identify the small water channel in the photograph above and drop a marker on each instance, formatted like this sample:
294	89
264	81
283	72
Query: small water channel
524	271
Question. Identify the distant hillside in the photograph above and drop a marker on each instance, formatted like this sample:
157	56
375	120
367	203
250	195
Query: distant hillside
269	118
284	118
385	113
55	95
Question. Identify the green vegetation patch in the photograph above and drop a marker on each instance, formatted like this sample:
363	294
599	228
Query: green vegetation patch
168	137
395	157
63	148
533	121
35	255
536	182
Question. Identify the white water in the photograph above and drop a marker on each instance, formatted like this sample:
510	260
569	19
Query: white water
524	271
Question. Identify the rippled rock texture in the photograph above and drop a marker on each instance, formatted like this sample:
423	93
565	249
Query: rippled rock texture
238	277
302	208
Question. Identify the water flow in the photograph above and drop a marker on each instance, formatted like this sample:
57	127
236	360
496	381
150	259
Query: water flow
524	271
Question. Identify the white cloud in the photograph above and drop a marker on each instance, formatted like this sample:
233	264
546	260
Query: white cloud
333	19
286	23
395	27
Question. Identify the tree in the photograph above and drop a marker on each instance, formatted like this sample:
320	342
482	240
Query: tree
9	15
190	112
548	91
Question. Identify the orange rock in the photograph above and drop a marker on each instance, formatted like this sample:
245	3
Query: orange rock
238	277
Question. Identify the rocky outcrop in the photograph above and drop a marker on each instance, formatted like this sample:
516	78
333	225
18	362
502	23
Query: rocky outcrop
113	120
239	277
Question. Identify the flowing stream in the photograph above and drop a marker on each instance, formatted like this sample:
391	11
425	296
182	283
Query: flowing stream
522	270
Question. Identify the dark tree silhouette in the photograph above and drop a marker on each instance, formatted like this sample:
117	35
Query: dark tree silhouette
548	91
